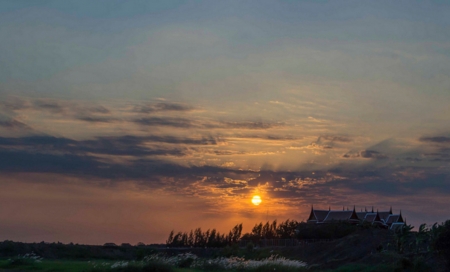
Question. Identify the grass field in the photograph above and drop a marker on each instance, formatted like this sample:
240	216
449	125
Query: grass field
100	266
23	264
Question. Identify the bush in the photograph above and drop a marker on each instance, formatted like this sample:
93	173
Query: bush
250	247
157	267
442	243
213	267
275	267
21	262
28	259
421	266
185	263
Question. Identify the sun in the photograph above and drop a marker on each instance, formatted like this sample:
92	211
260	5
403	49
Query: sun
256	200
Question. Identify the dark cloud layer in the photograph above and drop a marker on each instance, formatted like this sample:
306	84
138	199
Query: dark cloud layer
147	171
331	138
12	124
96	119
147	159
46	154
366	154
122	145
250	125
53	106
165	121
161	107
436	139
50	105
178	122
14	104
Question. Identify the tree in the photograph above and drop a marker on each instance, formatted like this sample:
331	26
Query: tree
421	236
401	235
170	239
442	242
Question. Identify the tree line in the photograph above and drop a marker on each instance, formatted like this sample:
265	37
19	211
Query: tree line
435	238
213	238
284	230
209	238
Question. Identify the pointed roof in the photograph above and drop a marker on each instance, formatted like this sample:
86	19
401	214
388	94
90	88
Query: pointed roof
338	216
370	217
361	215
377	218
321	214
312	216
400	219
384	215
317	215
396	226
385	218
354	216
393	218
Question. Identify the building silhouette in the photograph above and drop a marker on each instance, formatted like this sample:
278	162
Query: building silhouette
384	219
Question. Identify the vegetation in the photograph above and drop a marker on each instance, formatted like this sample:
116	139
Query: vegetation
289	229
337	247
285	230
209	238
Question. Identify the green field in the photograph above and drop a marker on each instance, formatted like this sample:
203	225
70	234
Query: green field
69	266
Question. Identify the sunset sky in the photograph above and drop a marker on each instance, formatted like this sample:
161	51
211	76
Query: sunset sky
123	120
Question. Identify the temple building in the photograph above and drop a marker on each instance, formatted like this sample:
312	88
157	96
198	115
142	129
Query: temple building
385	218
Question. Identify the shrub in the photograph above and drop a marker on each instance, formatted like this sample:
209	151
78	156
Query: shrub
442	242
185	263
20	262
157	267
250	247
421	266
25	260
212	267
275	267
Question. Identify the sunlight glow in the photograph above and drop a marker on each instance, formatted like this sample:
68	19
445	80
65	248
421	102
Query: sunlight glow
256	200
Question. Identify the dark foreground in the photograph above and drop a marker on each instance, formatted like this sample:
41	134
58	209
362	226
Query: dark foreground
366	250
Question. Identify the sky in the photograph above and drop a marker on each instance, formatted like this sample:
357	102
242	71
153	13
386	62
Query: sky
123	120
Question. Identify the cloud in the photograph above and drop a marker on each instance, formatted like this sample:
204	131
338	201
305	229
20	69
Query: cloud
165	121
161	107
97	109
331	138
13	124
372	154
96	119
327	142
442	156
78	110
179	122
366	154
151	172
104	146
119	145
250	125
49	105
318	146
14	103
46	154
436	139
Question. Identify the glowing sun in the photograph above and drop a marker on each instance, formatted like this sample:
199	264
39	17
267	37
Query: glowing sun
256	200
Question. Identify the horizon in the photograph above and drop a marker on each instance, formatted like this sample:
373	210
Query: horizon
120	121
